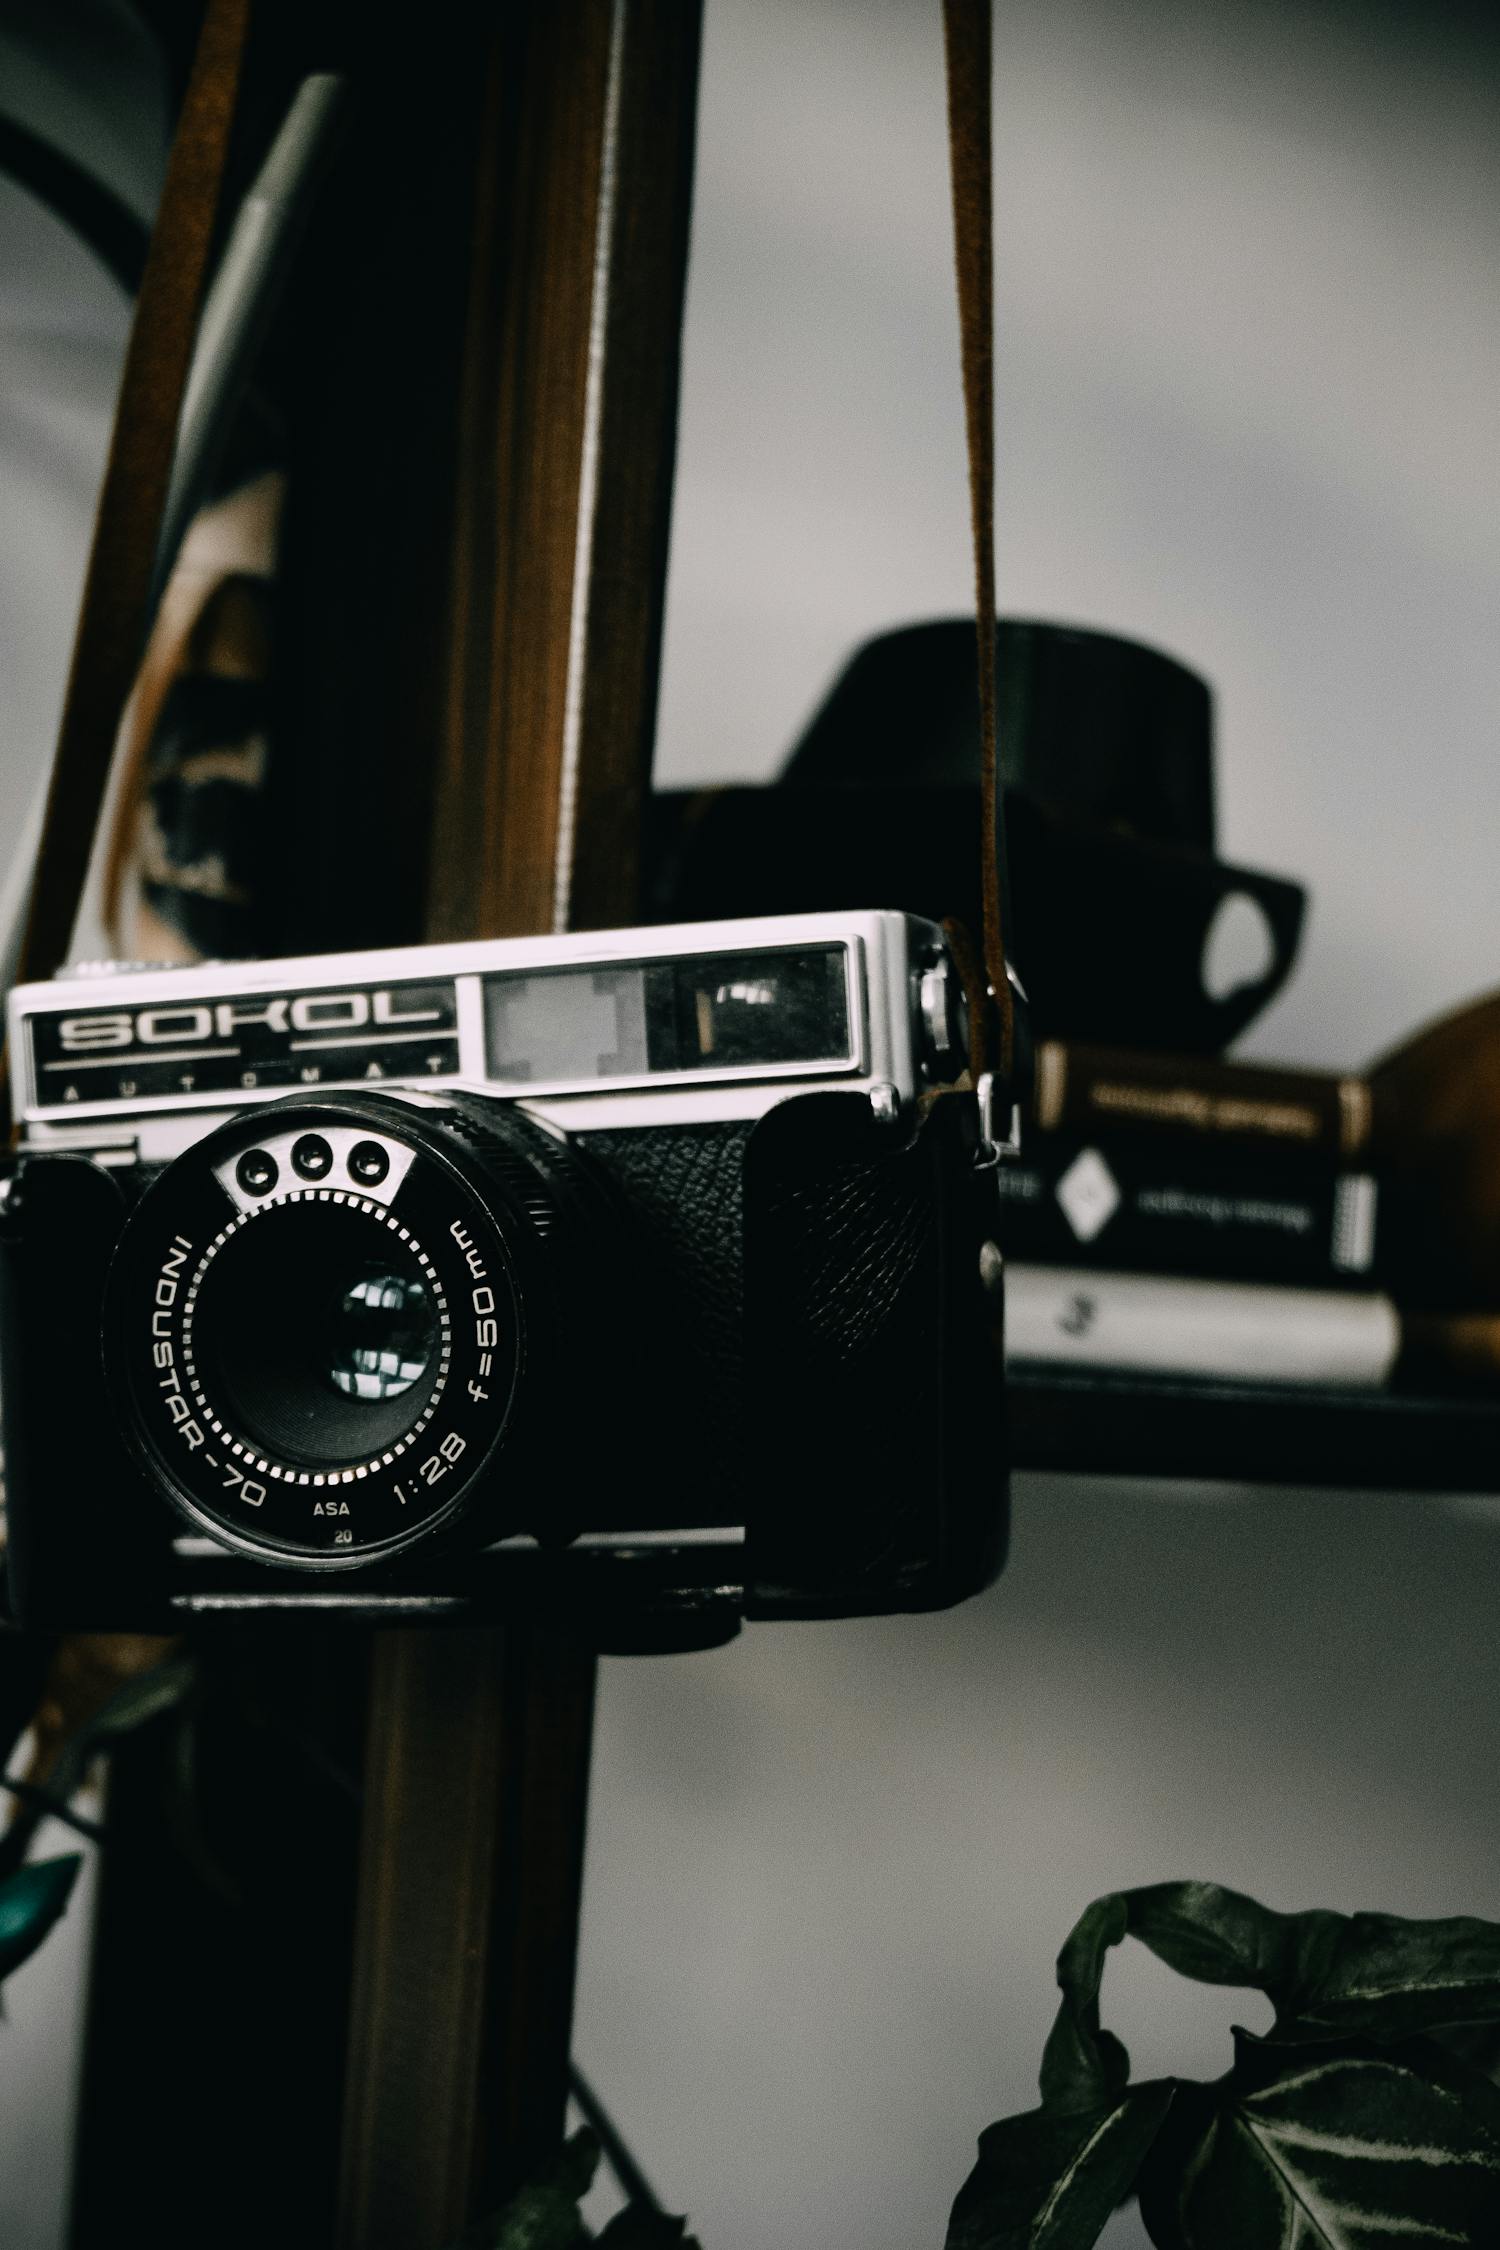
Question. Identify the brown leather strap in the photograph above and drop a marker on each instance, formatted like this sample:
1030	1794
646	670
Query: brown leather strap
966	32
112	620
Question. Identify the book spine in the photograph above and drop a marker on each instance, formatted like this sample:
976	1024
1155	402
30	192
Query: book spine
1150	1207
1084	1089
1235	1331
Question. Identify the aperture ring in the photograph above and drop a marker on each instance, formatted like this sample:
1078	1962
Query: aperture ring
217	1393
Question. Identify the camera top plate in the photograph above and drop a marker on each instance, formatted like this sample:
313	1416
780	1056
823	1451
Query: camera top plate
607	1030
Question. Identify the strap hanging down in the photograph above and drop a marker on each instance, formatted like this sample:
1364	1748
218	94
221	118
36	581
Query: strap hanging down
966	31
112	620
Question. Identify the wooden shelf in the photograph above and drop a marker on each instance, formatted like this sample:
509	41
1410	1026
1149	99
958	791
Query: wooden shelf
1250	1433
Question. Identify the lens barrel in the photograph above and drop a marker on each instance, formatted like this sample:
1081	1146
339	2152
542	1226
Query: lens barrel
332	1327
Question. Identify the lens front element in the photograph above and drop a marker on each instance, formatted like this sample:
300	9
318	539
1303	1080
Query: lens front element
382	1337
318	1359
307	1326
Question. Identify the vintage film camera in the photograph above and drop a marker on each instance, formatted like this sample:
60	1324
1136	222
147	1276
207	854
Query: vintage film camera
636	1272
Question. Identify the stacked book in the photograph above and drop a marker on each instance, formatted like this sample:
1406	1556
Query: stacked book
1197	1218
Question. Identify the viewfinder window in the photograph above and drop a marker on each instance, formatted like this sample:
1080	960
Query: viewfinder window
667	1019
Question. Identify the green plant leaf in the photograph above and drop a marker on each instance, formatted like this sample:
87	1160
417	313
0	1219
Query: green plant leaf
1344	2130
1050	2179
1083	2068
1476	2044
1388	1978
544	2214
31	1900
1217	1936
134	1705
1355	2147
138	1701
638	2229
1374	1976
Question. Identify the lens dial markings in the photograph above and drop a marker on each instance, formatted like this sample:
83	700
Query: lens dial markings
258	1342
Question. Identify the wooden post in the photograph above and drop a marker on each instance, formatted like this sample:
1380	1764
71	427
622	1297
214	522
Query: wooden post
481	383
476	1784
477	1768
569	431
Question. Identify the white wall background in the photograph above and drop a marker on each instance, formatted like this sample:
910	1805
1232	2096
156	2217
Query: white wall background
1249	305
1249	368
1250	329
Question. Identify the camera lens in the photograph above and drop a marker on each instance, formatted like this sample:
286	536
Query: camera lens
324	1374
381	1336
309	1335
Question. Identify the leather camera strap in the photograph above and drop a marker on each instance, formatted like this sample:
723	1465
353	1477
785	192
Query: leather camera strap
967	43
113	618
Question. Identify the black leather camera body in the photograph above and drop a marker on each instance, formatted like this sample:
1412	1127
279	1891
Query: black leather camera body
637	1275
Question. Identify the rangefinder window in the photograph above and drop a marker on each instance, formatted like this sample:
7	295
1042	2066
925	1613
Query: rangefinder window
754	1012
667	1019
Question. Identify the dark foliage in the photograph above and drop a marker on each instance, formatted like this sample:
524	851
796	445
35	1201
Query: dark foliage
1360	2118
545	2214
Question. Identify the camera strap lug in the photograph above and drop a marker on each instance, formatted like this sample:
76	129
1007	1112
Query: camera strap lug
994	1149
998	1070
885	1103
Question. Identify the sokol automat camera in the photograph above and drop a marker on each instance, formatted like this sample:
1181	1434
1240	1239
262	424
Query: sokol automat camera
636	1270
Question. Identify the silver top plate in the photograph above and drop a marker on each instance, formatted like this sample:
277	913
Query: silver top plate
599	1029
